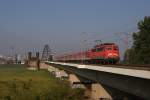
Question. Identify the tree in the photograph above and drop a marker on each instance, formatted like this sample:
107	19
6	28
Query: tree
129	56
141	43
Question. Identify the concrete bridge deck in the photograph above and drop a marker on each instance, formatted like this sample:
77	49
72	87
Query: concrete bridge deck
133	81
116	70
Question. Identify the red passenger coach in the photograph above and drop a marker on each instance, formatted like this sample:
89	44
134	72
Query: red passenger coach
103	53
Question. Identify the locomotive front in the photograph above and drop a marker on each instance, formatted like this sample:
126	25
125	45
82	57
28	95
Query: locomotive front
104	53
112	53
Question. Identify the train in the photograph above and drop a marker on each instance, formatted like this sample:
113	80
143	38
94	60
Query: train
104	53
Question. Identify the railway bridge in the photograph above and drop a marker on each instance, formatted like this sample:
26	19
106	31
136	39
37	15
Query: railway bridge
108	82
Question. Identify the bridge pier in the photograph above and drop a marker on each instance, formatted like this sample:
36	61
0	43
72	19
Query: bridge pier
75	81
54	71
94	91
99	93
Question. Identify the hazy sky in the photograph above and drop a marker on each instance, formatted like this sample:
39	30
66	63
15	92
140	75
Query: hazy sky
27	25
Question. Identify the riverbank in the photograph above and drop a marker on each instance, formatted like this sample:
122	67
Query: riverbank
18	83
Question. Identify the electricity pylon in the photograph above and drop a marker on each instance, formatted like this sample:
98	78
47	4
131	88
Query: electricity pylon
46	55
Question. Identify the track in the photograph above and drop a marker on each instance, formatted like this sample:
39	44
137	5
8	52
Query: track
125	66
138	67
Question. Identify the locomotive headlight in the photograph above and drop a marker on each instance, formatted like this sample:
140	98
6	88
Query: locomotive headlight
112	54
115	54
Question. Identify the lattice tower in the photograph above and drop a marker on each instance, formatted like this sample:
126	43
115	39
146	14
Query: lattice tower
46	55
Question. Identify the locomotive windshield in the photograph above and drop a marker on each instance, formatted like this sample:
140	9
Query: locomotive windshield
109	48
115	48
98	49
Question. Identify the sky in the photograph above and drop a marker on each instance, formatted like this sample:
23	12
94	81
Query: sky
27	25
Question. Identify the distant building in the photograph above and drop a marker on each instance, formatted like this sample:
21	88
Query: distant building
2	59
10	60
18	59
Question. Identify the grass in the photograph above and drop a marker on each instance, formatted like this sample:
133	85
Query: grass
18	83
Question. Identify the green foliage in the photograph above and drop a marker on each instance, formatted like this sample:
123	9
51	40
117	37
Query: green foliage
140	52
129	56
17	83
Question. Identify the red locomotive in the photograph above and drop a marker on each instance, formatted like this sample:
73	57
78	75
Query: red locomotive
102	53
